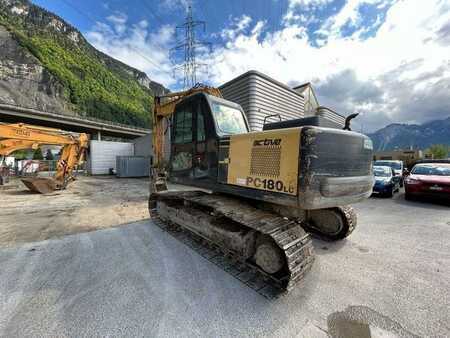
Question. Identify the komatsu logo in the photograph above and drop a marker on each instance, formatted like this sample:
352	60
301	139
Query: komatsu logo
267	142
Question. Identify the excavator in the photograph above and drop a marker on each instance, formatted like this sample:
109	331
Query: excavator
256	196
23	136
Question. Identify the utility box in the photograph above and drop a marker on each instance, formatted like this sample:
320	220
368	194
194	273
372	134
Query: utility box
102	155
132	166
261	96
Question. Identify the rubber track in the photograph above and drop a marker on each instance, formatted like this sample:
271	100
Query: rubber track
288	235
350	217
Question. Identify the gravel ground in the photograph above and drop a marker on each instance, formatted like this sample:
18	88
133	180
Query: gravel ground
90	203
390	278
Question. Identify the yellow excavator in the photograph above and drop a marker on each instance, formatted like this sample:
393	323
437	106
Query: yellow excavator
255	196
22	136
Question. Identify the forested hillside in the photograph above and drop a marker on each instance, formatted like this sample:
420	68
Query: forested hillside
47	64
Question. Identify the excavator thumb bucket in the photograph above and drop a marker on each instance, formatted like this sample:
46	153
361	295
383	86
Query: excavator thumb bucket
41	185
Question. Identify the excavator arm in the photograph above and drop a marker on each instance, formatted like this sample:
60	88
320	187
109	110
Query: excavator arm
21	136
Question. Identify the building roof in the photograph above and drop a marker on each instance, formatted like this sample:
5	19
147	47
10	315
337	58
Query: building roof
302	86
259	74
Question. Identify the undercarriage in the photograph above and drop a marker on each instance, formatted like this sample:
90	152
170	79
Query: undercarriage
263	237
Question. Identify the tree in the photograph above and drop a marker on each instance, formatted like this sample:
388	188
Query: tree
20	154
38	154
438	151
49	155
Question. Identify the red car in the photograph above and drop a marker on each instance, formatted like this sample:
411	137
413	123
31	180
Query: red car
428	180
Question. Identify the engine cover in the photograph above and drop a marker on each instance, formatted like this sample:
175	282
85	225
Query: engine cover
265	160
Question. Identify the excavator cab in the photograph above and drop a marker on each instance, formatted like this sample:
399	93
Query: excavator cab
199	124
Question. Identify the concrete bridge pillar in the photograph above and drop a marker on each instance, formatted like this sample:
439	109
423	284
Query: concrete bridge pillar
98	136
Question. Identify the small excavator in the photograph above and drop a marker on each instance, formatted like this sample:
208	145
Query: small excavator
22	136
256	196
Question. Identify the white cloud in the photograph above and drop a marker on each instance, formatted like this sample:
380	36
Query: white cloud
408	47
174	4
299	10
349	14
118	20
307	3
136	46
236	26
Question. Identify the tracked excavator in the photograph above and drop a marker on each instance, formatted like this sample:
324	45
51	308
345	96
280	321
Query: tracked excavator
22	136
256	196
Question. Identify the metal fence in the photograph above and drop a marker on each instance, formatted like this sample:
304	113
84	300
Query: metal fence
26	168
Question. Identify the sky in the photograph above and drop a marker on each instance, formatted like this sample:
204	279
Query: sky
388	60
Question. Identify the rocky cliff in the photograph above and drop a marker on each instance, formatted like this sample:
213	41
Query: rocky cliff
47	64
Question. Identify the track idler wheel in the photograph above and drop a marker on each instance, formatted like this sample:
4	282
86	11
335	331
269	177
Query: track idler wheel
331	224
269	257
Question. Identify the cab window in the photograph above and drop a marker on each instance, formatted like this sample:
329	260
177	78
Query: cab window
229	120
201	135
183	125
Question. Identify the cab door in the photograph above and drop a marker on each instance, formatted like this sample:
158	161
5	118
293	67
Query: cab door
182	149
200	163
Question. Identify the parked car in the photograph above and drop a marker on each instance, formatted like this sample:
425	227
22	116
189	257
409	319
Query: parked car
397	165
428	180
386	182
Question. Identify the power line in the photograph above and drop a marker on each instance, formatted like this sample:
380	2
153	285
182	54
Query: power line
87	16
189	45
152	12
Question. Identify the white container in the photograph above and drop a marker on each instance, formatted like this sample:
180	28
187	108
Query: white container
102	155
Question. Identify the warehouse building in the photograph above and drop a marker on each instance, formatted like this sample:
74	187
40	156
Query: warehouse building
264	98
267	100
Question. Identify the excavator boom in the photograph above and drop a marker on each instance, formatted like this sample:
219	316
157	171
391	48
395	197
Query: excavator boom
21	136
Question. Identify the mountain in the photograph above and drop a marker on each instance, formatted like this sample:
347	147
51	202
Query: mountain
406	136
47	64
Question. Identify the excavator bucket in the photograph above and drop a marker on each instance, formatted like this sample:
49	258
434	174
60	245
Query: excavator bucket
40	185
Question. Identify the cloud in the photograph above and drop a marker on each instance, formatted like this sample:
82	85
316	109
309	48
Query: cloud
307	4
236	26
348	15
136	46
399	73
175	4
299	10
118	20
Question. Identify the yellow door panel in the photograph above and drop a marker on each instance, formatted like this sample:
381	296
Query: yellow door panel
266	160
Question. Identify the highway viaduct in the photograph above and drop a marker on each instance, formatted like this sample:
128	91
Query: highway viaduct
96	128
